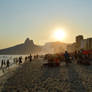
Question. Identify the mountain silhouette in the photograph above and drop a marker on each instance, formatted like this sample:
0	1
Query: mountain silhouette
29	47
25	48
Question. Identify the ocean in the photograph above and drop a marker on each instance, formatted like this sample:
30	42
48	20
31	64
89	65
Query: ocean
11	58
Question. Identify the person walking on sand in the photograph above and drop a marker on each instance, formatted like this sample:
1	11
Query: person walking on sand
26	58
20	60
7	63
30	58
67	57
2	63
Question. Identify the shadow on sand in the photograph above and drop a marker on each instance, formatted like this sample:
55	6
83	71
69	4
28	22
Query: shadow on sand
75	81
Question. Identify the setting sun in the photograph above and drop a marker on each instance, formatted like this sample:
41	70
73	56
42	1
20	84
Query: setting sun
59	34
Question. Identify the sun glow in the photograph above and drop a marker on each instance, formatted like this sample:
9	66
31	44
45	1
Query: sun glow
59	34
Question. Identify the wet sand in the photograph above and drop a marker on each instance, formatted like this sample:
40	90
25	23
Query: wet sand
32	77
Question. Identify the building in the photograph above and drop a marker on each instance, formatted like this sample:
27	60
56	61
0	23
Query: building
86	44
80	43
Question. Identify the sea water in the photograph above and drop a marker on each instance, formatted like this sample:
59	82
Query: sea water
11	60
10	57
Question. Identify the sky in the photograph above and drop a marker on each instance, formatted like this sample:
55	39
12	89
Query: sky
37	19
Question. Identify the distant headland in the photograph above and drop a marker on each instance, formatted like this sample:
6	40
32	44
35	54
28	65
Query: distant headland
29	47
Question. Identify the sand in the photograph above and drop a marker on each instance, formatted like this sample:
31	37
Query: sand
33	77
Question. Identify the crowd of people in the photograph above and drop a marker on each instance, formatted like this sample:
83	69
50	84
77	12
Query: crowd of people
5	64
83	57
77	57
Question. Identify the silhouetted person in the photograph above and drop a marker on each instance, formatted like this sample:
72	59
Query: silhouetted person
34	57
25	58
75	55
37	56
7	63
2	63
67	57
80	57
30	58
20	60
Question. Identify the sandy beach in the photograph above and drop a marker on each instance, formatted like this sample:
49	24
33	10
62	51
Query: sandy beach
33	77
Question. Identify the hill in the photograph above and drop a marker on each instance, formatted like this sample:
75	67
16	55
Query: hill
29	47
25	48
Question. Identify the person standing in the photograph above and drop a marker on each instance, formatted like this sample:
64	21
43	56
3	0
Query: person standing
20	60
2	63
30	58
2	66
26	58
67	57
8	64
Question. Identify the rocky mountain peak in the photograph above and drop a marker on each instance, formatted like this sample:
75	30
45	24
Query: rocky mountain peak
28	42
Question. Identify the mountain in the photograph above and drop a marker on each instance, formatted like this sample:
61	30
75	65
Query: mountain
25	48
29	47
